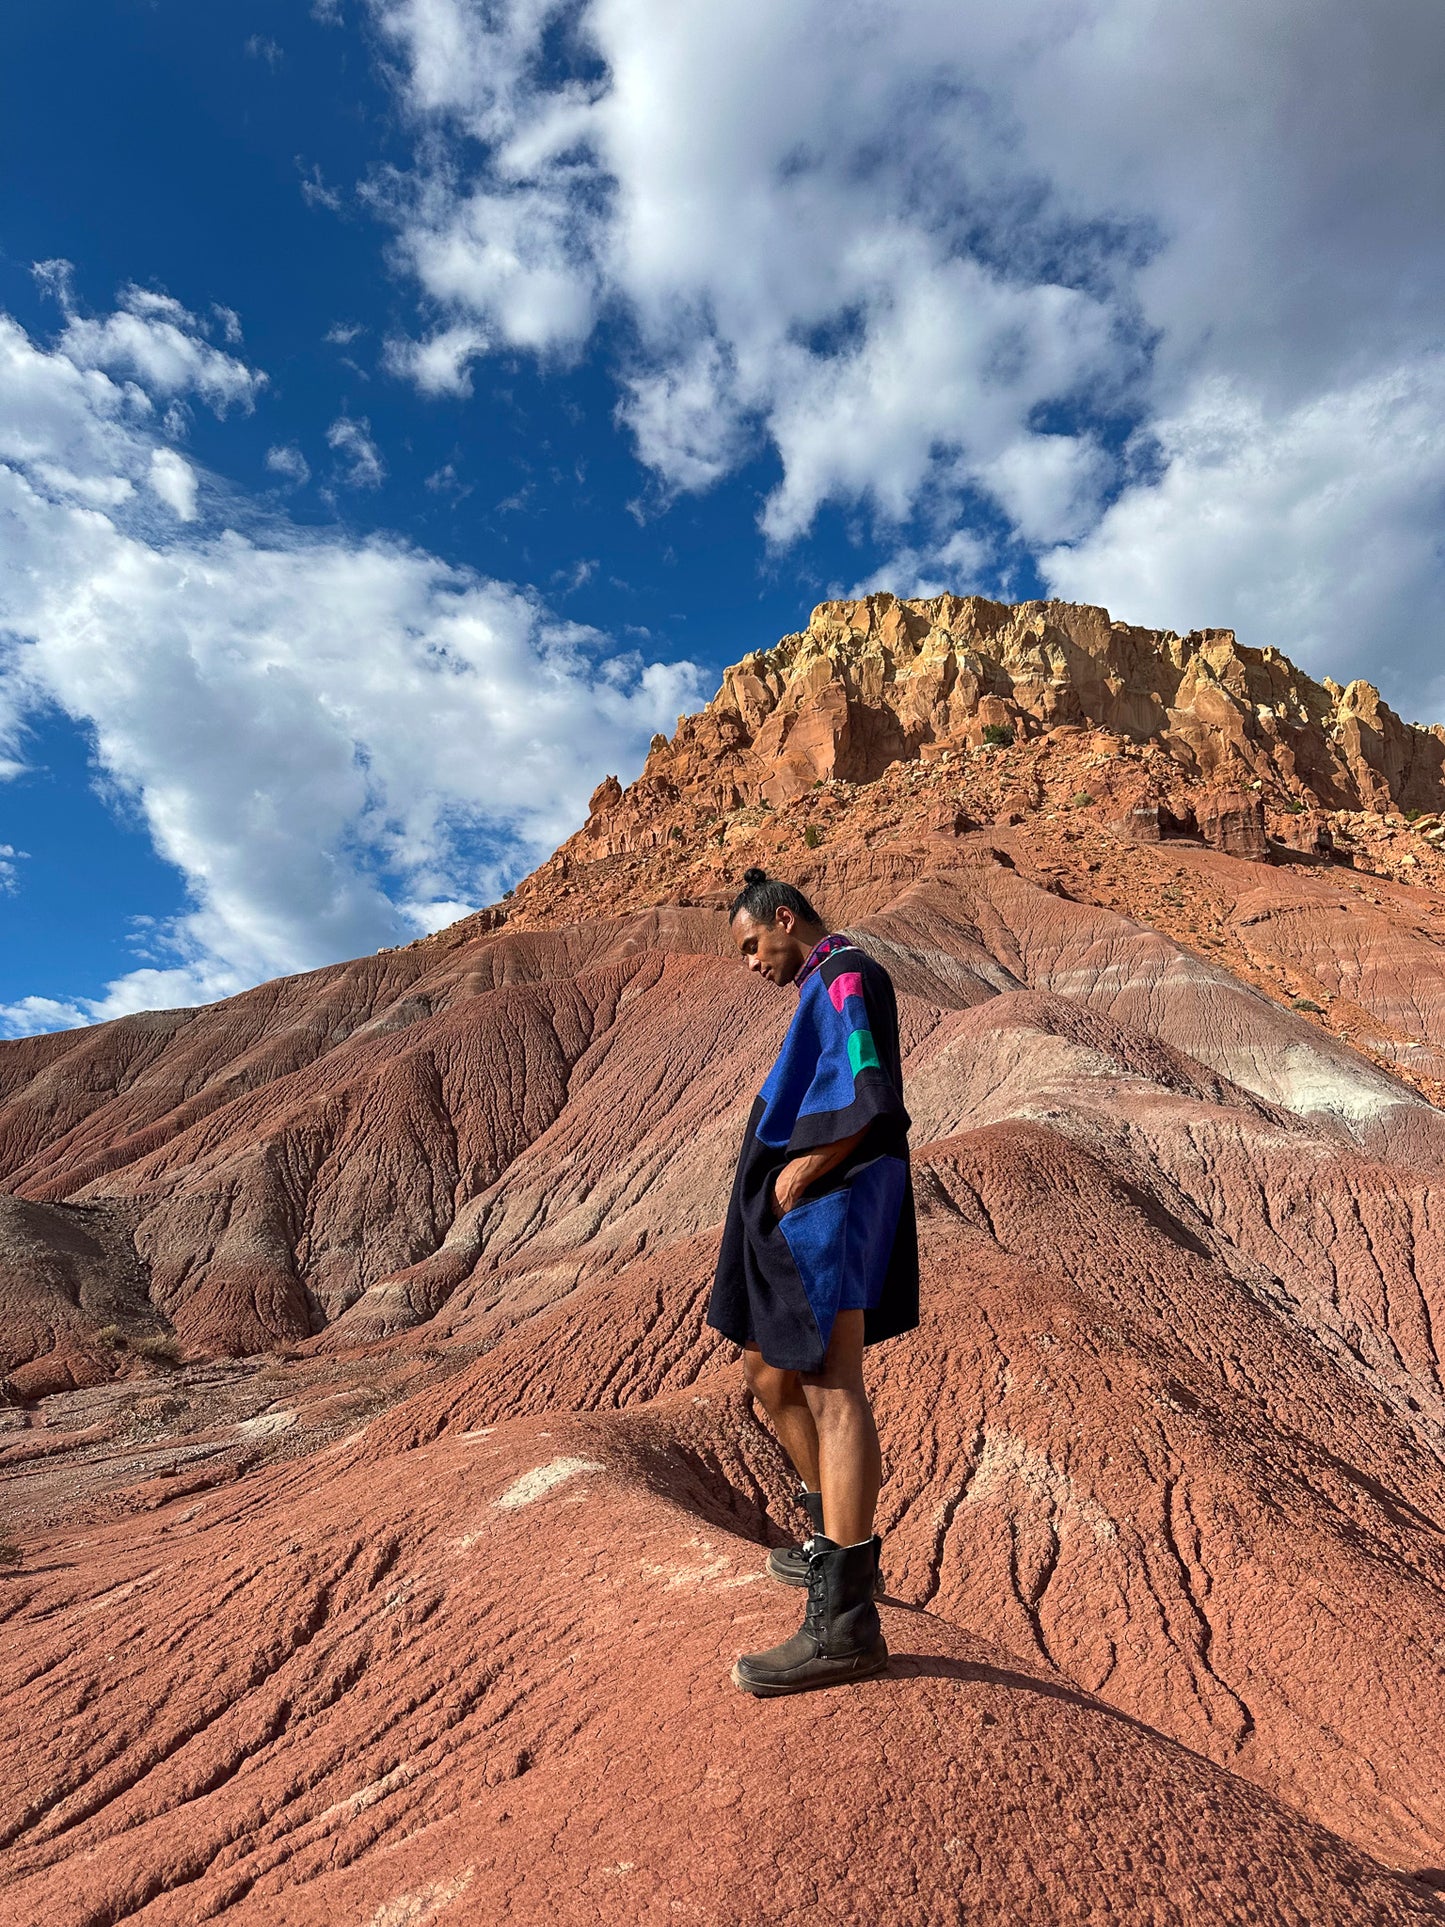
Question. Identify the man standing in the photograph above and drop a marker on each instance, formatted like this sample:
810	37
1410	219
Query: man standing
820	1258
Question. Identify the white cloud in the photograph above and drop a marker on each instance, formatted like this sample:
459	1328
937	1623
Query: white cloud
937	252
30	1014
446	481
955	565
359	460
688	417
509	259
261	46
288	462
175	482
10	859
335	740
1317	527
152	338
439	365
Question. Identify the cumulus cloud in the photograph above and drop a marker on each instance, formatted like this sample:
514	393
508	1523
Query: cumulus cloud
935	255
957	564
359	463
161	345
336	740
1316	526
440	365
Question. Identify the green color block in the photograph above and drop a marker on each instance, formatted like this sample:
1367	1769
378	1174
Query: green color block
861	1051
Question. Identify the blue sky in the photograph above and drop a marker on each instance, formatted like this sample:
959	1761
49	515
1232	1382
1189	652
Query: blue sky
418	403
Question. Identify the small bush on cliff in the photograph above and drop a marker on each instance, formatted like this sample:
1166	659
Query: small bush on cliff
998	736
1413	816
9	1553
1081	801
111	1336
1307	1003
1294	805
812	836
157	1348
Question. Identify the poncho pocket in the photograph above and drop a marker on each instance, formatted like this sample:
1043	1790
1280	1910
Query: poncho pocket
841	1242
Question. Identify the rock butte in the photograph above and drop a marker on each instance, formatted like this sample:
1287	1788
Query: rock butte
409	1593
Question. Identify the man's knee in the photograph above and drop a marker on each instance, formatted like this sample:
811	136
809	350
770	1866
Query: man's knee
767	1384
842	1369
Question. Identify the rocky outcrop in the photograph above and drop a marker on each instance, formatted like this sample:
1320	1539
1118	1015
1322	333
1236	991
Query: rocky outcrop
1233	821
869	684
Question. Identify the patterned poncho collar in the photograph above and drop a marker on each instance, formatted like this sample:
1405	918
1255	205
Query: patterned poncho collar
824	947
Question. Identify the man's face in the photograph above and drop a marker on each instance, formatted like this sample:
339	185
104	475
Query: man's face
774	949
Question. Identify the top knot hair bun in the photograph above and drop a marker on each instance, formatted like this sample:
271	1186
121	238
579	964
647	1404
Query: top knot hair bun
762	896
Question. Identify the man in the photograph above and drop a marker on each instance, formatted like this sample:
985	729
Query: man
820	1258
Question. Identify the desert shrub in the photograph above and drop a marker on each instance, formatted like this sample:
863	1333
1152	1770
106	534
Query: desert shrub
1081	801
157	1348
9	1553
1307	1003
1294	805
675	833
998	735
812	836
111	1336
1413	816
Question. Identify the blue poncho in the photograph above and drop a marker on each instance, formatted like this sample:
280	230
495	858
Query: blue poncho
852	1242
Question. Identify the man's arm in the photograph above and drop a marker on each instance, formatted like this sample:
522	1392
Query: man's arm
798	1173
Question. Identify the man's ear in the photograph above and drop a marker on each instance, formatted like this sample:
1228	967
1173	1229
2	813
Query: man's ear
784	918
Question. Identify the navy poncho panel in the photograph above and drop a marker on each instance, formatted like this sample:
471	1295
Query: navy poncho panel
852	1242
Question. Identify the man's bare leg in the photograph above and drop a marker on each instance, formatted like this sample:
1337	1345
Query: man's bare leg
841	1637
849	1461
781	1396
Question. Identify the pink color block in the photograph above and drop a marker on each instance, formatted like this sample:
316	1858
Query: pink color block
848	983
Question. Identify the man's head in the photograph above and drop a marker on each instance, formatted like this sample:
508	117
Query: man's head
774	926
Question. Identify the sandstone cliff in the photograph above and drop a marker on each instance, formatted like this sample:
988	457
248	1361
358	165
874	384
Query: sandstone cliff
873	683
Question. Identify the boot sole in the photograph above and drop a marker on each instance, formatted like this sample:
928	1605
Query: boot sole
860	1666
786	1578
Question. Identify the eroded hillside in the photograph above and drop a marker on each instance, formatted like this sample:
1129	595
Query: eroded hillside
410	1592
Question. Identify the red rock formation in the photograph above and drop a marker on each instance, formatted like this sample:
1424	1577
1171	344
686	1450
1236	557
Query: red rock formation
431	1616
869	684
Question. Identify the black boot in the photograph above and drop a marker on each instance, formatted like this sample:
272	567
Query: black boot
840	1638
790	1563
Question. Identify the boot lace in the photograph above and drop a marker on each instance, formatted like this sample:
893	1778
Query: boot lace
815	1617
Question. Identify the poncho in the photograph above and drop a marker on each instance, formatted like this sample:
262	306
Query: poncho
851	1243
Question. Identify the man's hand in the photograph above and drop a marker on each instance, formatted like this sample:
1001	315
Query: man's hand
789	1186
798	1173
